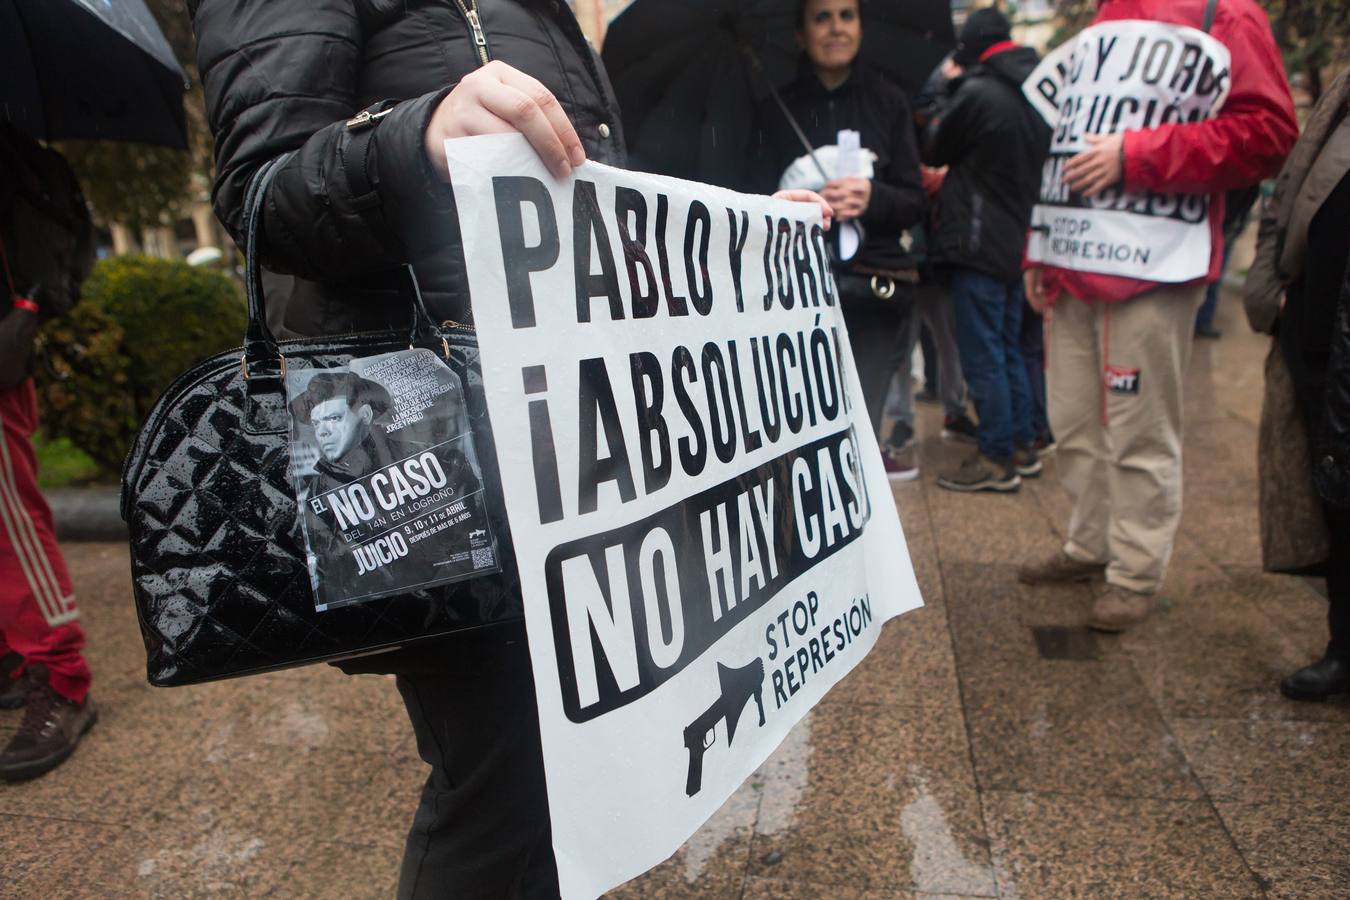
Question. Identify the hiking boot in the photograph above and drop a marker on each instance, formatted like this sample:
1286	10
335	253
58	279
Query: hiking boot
1027	462
13	688
1045	444
1117	608
960	428
980	473
901	439
1058	568
1322	680
50	731
897	470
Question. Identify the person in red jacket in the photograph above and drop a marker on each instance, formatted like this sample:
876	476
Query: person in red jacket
1157	108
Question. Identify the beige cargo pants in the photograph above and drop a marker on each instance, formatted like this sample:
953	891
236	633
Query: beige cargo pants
1115	403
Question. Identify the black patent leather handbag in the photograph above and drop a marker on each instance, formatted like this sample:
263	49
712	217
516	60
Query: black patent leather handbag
217	558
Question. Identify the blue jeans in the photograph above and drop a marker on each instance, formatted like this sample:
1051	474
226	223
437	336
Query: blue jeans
988	316
1204	319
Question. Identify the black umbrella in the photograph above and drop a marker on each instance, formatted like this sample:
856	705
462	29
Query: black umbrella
95	69
689	73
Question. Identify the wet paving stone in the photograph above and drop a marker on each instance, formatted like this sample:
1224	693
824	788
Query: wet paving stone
989	746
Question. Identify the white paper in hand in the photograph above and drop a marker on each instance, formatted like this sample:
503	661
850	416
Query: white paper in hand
849	164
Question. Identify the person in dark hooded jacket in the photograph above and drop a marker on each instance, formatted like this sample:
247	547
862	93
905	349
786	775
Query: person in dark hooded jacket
835	92
995	145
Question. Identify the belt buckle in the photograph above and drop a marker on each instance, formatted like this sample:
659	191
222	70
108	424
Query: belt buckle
883	291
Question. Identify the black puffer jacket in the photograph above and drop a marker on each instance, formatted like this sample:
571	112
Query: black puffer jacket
284	75
996	145
353	205
871	105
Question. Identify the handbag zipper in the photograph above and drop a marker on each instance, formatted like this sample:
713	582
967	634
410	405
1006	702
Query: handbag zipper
469	10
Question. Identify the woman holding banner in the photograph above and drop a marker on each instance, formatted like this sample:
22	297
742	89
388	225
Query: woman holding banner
363	97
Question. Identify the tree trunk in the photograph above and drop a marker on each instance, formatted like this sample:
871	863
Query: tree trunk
123	240
204	221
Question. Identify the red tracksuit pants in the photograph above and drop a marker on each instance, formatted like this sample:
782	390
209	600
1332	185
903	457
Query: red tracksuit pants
38	618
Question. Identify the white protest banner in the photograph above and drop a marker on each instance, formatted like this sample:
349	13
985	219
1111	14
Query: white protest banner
1120	76
705	534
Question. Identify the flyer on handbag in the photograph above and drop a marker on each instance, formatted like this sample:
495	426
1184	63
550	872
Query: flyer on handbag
387	478
706	538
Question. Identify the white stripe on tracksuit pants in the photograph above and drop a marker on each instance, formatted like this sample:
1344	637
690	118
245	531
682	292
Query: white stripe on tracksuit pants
38	615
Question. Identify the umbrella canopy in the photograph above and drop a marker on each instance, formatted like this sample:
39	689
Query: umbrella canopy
92	69
688	87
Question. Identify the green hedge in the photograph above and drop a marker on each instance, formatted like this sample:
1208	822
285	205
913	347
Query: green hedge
141	323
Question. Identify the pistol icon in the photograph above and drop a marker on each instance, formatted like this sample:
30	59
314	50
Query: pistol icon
738	686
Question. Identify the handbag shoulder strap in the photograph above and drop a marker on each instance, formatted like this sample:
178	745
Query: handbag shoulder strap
1211	7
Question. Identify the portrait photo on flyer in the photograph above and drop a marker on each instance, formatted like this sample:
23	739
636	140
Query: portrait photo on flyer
387	478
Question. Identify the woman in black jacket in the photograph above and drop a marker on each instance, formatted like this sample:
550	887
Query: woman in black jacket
834	92
1314	337
1298	290
363	92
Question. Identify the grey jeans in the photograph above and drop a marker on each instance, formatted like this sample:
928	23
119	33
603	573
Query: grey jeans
932	306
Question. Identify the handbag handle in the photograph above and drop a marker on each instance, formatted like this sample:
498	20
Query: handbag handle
260	345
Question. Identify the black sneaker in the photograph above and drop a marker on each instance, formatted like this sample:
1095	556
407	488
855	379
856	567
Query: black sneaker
1027	462
901	437
959	428
980	473
1044	444
49	733
13	688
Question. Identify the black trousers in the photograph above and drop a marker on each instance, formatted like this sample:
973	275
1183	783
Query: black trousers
482	827
1309	397
874	330
1338	582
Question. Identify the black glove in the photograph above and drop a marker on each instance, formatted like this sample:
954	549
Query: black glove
18	329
